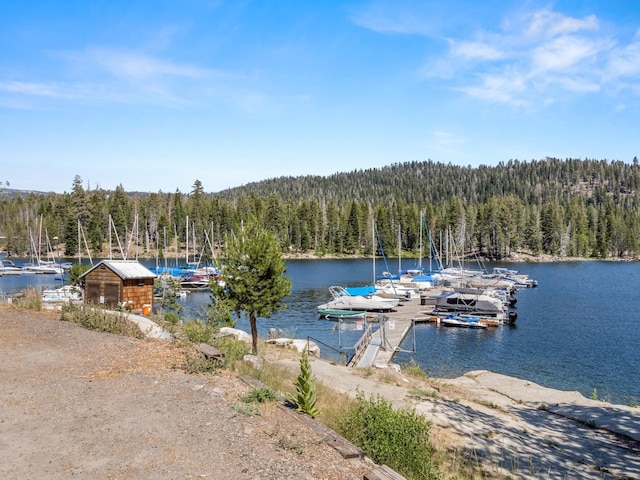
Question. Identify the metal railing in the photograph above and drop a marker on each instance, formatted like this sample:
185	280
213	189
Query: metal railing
361	345
338	351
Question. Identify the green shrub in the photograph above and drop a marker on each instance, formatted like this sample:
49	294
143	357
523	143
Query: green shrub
218	314
197	363
233	349
197	331
412	368
289	443
260	395
172	318
96	318
76	270
397	438
165	289
246	409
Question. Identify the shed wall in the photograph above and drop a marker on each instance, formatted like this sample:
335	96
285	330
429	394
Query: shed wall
105	287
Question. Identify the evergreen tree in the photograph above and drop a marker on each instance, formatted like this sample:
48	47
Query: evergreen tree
120	211
196	207
352	230
254	276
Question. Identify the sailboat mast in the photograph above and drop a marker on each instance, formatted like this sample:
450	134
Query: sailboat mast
79	244
175	237
420	242
399	250
164	250
373	248
110	249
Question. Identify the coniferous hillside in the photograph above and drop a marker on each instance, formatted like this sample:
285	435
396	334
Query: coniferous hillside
416	182
565	208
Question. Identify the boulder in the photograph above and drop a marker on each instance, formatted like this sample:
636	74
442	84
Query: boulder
236	333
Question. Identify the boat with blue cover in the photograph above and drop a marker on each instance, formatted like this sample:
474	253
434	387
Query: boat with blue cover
343	300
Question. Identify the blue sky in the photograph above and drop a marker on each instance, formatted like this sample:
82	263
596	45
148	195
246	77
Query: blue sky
155	94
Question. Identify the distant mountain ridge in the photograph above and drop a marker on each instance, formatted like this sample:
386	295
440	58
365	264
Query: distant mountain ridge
14	192
563	208
536	181
428	181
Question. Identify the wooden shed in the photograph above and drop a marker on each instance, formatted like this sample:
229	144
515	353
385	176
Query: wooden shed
114	283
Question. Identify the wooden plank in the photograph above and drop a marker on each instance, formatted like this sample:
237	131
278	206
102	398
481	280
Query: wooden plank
382	472
211	353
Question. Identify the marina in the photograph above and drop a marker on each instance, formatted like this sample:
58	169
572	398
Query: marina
568	335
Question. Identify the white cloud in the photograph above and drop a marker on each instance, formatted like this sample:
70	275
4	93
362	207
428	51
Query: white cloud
476	50
35	89
406	18
624	62
104	75
565	52
132	65
537	59
546	23
509	88
579	84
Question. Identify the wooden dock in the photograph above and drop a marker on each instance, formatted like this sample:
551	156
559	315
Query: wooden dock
380	346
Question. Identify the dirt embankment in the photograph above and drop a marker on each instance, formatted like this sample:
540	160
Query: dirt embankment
80	403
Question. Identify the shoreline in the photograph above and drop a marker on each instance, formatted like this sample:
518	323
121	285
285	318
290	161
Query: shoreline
517	257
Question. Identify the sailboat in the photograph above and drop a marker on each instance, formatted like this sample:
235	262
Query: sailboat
37	265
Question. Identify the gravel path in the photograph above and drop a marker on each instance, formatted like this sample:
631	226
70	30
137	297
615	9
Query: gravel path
79	403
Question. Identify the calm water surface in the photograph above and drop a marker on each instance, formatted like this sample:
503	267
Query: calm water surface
579	330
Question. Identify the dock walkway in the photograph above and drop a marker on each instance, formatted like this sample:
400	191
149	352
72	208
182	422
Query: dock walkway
387	339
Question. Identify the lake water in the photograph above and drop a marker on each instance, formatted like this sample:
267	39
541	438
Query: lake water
578	330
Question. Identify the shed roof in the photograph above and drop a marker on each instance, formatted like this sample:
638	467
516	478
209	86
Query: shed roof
125	269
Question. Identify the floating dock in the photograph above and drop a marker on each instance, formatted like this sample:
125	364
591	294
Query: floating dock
379	347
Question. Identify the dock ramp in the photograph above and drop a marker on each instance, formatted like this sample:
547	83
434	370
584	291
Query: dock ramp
370	353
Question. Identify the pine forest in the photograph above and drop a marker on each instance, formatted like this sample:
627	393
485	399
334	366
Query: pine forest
562	208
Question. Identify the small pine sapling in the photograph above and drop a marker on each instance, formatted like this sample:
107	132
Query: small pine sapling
306	397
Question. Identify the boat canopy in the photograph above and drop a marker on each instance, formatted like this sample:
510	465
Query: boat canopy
364	291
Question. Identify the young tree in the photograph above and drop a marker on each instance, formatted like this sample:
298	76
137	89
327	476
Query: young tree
253	270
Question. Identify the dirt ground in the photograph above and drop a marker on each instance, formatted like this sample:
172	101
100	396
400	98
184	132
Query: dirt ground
85	404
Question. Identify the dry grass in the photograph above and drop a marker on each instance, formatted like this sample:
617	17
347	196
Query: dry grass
149	355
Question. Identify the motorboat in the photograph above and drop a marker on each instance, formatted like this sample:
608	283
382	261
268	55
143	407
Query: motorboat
479	304
65	294
462	321
343	300
520	279
7	267
396	290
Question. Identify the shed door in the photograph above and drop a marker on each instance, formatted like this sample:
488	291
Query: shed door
112	294
92	292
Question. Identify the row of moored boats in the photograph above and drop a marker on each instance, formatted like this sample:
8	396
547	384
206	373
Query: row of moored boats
452	297
42	267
